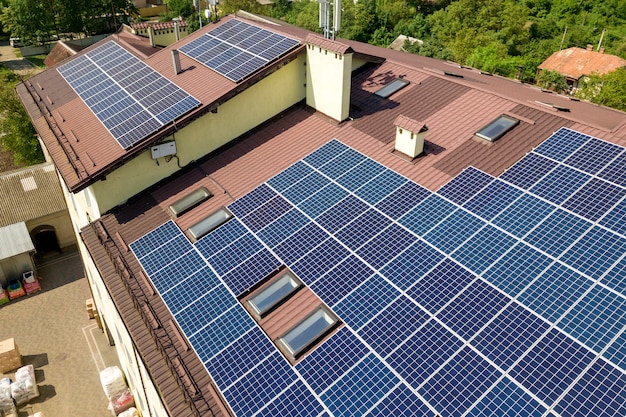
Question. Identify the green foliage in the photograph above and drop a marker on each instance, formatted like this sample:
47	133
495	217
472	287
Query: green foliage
18	135
607	90
182	8
552	80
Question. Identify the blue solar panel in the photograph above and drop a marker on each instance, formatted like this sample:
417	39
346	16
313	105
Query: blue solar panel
238	49
119	99
360	174
362	229
424	352
296	401
380	186
510	335
251	271
267	213
557	232
528	171
320	260
401	402
386	245
251	201
220	333
562	144
515	270
465	185
260	385
393	325
616	277
615	219
342	163
332	360
168	253
600	392
204	309
306	187
483	249
492	200
616	352
283	227
240	357
412	264
365	384
427	214
180	296
507	400
365	301
341	280
615	171
322	200
396	204
342	213
290	176
560	184
176	272
221	237
300	243
468	312
595	252
594	155
460	383
594	199
554	291
457	228
155	239
326	153
551	366
235	253
524	214
597	318
440	285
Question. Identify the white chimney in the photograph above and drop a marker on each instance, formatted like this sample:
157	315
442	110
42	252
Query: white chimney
151	36
176	61
409	136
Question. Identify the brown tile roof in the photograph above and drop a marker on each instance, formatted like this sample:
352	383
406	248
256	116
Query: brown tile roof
575	62
158	25
409	124
24	190
61	51
331	45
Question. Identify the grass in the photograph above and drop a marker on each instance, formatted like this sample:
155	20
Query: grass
37	60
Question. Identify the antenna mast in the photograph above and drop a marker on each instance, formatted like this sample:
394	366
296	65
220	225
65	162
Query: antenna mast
325	11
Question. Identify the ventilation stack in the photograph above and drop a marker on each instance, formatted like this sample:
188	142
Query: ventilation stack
409	136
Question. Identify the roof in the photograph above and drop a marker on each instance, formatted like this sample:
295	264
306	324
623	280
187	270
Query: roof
158	25
14	240
409	124
61	51
575	62
24	189
399	42
331	45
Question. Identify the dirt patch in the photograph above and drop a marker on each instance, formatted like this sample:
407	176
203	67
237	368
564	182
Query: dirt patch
6	161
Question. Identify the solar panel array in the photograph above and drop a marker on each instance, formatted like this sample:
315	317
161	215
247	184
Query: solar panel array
237	49
130	99
482	299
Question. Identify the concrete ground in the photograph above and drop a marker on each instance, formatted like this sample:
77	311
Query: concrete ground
11	60
54	333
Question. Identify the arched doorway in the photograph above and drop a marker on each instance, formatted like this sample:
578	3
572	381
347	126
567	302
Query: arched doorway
45	240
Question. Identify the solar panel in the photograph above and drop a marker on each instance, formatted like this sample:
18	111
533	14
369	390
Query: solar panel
560	184
237	49
507	399
361	229
320	260
492	200
593	156
483	249
380	186
130	99
557	232
341	280
401	402
465	185
455	230
427	214
322	200
267	213
594	199
615	278
595	252
562	144
412	264
528	170
615	219
283	227
615	171
403	199
386	245
326	153
344	162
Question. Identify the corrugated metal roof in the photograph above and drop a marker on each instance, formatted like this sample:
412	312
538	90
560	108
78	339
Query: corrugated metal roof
30	193
575	62
14	240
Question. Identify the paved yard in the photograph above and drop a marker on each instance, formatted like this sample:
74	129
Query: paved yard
54	334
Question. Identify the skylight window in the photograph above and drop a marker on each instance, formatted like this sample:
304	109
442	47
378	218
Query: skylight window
390	88
272	294
304	334
496	129
210	222
191	200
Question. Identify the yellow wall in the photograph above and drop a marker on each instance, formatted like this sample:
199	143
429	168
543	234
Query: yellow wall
62	227
164	37
328	82
263	100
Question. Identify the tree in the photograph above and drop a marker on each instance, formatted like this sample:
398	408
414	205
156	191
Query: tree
552	80
30	20
18	134
607	90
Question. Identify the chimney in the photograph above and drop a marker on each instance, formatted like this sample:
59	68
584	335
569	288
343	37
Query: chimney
409	136
176	61
151	36
176	31
589	47
601	50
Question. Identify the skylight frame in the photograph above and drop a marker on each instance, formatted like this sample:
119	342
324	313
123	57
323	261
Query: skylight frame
308	331
391	87
210	223
278	290
497	128
189	201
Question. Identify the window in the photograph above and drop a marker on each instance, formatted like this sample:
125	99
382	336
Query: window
496	129
304	334
191	200
212	221
390	88
275	292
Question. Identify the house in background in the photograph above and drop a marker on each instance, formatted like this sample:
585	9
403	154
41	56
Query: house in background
576	63
277	224
161	33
